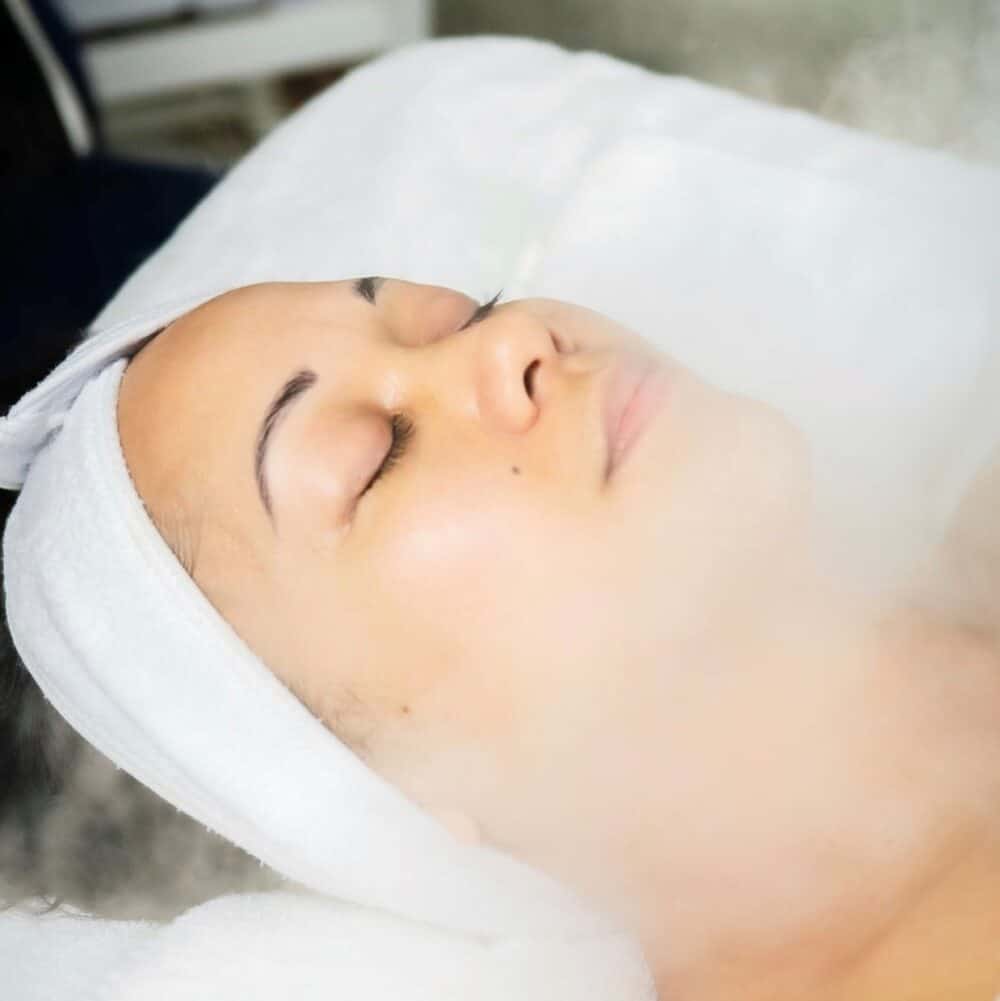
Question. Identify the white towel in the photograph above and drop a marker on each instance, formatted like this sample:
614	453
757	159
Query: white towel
273	946
133	655
850	281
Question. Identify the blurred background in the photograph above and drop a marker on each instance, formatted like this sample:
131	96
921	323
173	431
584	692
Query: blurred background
927	71
119	115
203	79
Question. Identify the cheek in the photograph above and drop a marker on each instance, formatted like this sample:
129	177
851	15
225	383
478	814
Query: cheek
491	592
455	565
506	647
445	546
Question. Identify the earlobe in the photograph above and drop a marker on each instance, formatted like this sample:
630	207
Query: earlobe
460	825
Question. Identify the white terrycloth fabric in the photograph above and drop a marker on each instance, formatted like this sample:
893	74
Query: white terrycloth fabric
132	654
847	280
273	946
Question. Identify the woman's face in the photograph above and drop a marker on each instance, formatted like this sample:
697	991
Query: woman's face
512	597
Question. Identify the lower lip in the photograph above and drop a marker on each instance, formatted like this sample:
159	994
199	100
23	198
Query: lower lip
646	402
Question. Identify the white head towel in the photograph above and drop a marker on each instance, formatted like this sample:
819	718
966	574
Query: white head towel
132	654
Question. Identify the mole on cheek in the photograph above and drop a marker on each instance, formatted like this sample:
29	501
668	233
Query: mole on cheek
516	470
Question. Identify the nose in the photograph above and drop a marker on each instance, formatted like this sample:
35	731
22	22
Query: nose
499	370
513	356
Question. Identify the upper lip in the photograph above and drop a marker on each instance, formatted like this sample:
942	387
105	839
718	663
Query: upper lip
623	380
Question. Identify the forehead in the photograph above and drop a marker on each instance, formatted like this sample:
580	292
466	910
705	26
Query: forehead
192	399
257	312
206	357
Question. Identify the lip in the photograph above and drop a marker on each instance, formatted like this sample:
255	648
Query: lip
635	393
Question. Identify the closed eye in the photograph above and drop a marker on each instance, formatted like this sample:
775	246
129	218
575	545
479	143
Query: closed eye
402	427
367	288
402	430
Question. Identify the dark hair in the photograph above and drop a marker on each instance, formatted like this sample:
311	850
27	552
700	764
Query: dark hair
76	829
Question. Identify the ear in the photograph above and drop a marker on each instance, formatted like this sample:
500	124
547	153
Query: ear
458	824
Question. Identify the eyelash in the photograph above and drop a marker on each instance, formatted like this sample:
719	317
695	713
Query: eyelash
403	430
402	427
482	311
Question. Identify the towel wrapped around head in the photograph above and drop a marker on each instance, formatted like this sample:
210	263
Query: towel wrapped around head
133	655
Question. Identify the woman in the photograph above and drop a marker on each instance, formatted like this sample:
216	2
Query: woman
585	561
571	608
565	596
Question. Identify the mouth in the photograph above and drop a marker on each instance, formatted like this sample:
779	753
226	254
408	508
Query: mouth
635	393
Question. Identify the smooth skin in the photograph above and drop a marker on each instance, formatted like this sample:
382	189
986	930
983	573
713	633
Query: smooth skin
640	683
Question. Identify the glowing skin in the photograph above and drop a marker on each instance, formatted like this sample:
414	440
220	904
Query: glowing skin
493	547
636	683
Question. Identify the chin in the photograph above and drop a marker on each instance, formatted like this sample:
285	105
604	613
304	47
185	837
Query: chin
718	485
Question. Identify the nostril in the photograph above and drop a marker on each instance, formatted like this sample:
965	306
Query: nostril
529	377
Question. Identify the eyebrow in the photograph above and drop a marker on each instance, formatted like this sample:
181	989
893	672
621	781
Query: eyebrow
288	394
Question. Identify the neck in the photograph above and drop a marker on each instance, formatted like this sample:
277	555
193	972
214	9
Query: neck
858	835
941	942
